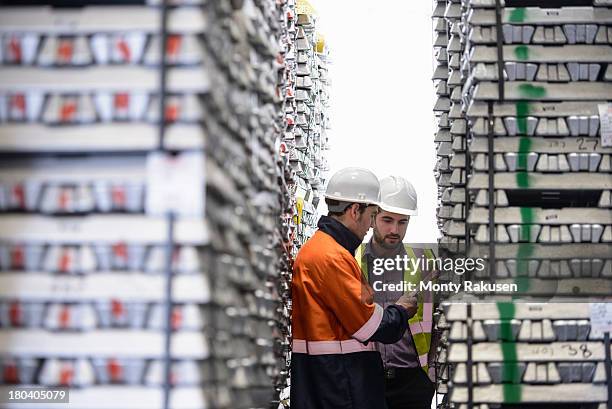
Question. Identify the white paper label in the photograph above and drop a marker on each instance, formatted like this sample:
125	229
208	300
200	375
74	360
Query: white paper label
175	184
605	121
601	317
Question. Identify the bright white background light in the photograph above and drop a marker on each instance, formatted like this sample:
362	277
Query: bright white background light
382	95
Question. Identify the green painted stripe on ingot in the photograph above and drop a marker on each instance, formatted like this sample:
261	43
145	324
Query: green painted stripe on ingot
523	153
518	15
521	52
510	369
525	247
526	218
523	179
523	109
531	91
512	389
525	250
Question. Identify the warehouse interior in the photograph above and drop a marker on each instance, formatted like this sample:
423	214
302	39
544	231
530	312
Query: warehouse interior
162	163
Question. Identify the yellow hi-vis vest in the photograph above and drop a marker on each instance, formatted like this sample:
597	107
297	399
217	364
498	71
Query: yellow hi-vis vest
422	322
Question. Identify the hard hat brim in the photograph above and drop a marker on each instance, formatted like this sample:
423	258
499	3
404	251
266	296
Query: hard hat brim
344	199
399	210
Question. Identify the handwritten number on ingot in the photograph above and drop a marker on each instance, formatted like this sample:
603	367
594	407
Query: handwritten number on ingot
570	349
556	143
543	350
586	352
582	144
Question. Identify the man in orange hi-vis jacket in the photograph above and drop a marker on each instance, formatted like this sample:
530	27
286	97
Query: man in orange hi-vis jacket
334	363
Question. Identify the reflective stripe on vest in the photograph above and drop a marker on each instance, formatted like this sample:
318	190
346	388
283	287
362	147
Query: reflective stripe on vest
421	323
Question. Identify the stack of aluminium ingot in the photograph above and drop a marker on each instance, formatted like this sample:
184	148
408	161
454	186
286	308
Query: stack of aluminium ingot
244	109
80	107
534	152
448	197
310	121
287	180
455	229
305	94
443	138
450	138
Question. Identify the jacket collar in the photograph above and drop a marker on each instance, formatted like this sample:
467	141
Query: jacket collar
340	233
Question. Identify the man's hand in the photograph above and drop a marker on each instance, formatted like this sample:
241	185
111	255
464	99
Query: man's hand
409	302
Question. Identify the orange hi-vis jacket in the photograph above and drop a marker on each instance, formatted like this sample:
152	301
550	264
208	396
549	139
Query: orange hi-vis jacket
333	312
333	364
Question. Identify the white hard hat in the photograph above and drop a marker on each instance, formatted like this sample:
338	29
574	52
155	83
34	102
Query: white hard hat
397	195
354	185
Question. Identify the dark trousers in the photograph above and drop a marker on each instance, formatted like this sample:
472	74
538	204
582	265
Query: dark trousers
408	388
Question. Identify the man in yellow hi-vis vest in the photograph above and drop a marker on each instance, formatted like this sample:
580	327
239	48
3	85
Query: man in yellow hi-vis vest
407	381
